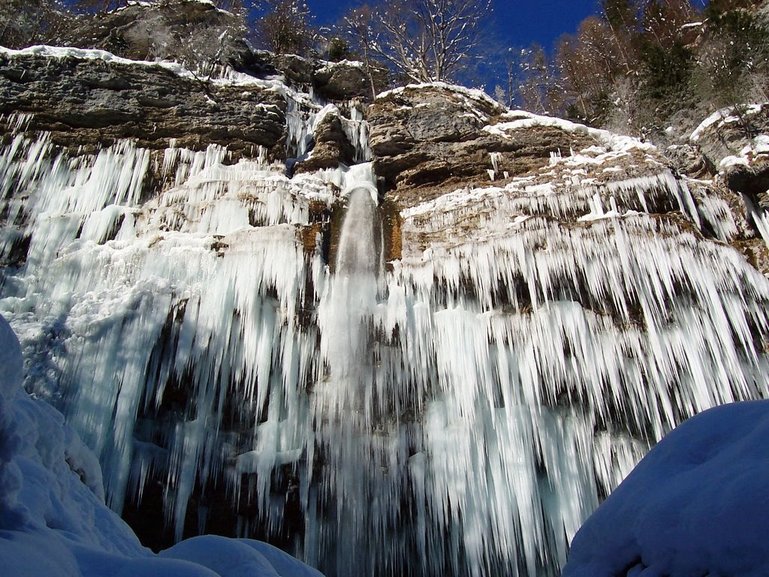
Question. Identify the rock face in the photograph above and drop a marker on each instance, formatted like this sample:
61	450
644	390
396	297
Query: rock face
89	101
330	145
734	142
195	33
431	139
345	79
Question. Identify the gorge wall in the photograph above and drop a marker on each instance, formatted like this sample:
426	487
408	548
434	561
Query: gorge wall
420	336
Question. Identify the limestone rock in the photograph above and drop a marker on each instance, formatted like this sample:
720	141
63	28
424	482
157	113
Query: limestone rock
195	33
296	70
430	139
346	79
90	102
435	137
688	159
730	131
332	146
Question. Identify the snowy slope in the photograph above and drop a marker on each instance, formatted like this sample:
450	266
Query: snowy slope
53	520
697	504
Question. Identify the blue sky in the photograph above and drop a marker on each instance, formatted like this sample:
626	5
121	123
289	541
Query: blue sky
522	22
518	23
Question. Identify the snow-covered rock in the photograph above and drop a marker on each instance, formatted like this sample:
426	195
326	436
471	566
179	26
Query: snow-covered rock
83	98
697	504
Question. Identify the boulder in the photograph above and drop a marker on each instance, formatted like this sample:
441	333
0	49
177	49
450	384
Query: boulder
331	148
196	33
348	79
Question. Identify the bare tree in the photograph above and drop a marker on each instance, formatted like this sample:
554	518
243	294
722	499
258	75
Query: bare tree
424	40
535	77
588	64
358	29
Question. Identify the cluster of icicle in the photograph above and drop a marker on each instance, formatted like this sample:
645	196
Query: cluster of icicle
461	414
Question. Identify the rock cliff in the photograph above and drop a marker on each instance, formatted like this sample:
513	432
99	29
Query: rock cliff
542	302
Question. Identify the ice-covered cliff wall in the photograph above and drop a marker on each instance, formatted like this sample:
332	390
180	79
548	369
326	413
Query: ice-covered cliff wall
52	514
555	300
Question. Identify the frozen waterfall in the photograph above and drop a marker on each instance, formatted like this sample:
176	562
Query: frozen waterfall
234	348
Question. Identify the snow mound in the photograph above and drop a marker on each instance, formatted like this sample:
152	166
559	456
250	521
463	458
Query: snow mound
53	520
697	504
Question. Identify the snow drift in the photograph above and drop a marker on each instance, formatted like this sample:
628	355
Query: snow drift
697	504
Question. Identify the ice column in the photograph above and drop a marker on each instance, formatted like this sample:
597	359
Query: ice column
345	399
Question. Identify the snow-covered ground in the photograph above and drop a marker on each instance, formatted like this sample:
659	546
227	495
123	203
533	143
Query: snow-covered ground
53	520
697	504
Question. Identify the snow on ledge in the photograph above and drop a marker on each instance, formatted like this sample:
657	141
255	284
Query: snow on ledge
724	116
231	79
472	93
521	119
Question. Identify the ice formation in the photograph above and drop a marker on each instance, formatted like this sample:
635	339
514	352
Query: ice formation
460	411
53	520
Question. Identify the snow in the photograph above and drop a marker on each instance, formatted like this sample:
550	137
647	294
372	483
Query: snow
520	119
53	520
757	146
229	77
723	116
471	93
695	505
470	96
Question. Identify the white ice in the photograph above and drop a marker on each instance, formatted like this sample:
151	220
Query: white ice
53	520
467	406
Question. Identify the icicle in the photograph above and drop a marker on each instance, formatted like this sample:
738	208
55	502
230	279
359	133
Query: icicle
356	130
299	124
